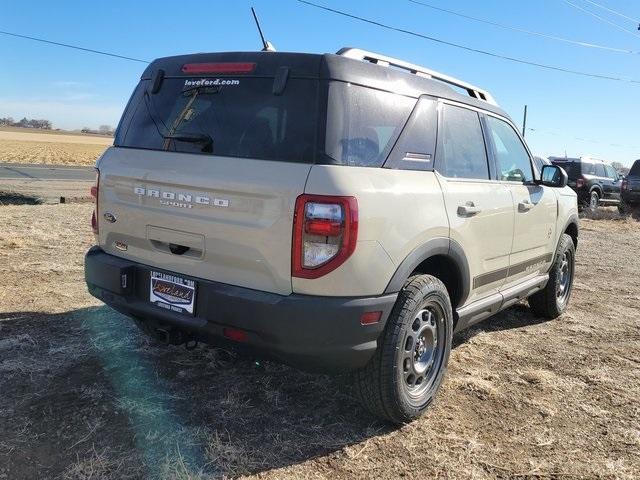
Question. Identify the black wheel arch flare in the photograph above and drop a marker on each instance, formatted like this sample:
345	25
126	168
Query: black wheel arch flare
439	246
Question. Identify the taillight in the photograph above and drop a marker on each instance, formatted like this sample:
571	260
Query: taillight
625	184
94	193
580	183
222	67
325	232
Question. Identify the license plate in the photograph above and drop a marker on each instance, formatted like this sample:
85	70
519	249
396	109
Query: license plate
172	292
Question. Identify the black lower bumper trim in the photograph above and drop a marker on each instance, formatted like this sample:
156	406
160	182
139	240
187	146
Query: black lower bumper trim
308	332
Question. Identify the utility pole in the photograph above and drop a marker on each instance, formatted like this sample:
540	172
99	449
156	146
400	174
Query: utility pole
524	122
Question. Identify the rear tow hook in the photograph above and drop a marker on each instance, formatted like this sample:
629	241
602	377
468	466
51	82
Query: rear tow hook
191	343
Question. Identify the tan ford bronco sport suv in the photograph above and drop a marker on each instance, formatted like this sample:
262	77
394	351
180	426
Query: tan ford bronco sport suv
338	213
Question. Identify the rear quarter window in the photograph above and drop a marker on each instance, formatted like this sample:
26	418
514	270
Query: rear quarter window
363	124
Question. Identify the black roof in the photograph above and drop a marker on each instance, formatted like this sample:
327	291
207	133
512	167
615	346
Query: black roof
325	66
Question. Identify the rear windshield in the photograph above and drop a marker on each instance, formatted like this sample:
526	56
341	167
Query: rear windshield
227	117
329	122
572	168
635	169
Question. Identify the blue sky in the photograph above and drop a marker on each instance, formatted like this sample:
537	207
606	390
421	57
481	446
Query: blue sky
583	116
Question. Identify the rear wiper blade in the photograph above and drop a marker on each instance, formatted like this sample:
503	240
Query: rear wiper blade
201	90
190	137
202	138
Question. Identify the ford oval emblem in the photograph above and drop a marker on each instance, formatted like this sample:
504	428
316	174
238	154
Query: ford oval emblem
110	217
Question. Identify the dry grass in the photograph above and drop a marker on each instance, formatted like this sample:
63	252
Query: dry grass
85	396
19	146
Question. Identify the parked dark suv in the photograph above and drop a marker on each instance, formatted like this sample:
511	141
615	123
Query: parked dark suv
594	181
631	188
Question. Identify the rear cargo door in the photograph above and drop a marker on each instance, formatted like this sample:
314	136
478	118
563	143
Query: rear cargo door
204	177
223	219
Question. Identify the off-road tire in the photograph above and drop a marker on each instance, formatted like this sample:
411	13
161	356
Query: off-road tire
624	208
381	385
594	201
547	303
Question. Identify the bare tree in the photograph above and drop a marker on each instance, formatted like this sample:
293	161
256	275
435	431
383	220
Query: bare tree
620	168
105	129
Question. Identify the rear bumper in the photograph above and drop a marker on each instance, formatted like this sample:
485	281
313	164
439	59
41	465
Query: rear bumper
307	332
631	197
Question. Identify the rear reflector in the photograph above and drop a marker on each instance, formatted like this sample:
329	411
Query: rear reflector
369	318
226	67
94	194
235	334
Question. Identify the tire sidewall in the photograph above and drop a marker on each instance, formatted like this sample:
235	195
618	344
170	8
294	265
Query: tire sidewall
565	246
406	403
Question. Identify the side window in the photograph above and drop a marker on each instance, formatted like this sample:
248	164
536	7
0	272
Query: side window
540	162
588	168
611	172
600	170
461	151
512	158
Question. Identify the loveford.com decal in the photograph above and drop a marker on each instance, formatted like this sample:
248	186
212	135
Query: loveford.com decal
208	82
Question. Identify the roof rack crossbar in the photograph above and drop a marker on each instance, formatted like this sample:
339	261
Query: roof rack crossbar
385	61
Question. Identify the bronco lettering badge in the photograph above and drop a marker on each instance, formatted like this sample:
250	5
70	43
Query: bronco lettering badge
180	199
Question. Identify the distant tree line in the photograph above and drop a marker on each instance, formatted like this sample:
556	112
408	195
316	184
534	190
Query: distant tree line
46	125
102	130
26	123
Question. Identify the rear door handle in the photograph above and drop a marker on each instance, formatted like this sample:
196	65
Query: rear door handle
468	210
525	206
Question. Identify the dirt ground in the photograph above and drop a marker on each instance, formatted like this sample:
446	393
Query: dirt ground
58	148
84	396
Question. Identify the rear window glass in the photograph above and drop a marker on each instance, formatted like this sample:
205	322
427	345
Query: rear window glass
363	124
227	117
572	168
635	169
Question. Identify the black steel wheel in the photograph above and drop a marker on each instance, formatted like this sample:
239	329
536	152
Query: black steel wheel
423	351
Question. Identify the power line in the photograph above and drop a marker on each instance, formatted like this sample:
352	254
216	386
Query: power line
90	50
467	48
522	30
611	10
580	139
602	19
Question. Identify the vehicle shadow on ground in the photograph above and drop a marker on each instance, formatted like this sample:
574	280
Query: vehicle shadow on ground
517	316
84	391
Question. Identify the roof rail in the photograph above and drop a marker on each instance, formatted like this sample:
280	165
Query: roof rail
385	61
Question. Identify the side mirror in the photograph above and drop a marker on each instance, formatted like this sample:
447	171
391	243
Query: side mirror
553	176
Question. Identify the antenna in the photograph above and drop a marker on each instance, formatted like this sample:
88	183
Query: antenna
266	45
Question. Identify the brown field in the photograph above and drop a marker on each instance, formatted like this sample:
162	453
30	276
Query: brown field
84	396
61	148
